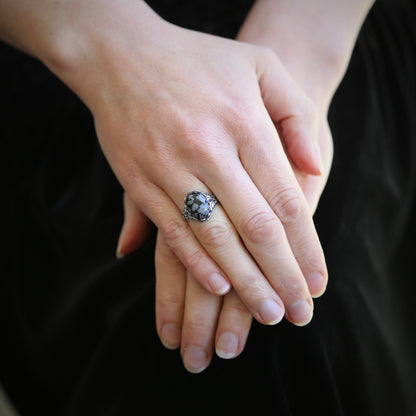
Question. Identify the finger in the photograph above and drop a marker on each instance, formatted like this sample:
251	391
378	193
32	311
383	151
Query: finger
136	228
170	294
279	277
312	186
182	241
295	115
265	238
233	327
298	135
199	323
221	241
275	179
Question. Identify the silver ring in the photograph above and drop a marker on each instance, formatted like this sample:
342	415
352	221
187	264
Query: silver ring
199	206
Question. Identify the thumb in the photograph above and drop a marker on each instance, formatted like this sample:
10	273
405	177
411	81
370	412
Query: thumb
293	113
135	230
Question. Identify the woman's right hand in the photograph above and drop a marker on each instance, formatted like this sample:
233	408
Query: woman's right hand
186	314
177	111
197	319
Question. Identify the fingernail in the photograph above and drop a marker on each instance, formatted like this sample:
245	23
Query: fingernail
316	284
119	254
318	158
195	359
218	284
300	312
170	335
270	312
227	345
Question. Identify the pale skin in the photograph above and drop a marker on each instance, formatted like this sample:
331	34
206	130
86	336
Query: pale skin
177	110
196	320
162	140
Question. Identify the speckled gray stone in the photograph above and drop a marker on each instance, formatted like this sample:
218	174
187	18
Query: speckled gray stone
198	206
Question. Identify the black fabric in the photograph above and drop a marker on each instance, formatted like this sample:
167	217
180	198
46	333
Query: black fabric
77	326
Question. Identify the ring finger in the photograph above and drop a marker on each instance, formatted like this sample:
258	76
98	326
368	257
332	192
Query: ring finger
199	323
220	239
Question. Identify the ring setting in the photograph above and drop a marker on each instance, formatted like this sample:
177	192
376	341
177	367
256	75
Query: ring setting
199	206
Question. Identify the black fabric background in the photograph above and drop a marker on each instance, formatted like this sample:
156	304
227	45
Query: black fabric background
77	325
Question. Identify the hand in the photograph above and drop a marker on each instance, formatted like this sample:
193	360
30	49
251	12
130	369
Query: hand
60	31
186	314
163	140
189	316
199	332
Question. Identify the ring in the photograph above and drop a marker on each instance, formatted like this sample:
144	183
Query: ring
199	206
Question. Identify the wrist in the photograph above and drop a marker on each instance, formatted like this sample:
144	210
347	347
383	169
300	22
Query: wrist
108	46
87	30
314	40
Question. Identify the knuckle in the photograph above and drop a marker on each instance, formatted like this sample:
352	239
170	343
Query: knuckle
198	320
244	121
169	304
236	307
193	260
260	227
248	288
288	204
269	54
200	140
175	233
216	235
196	145
293	291
198	325
247	131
